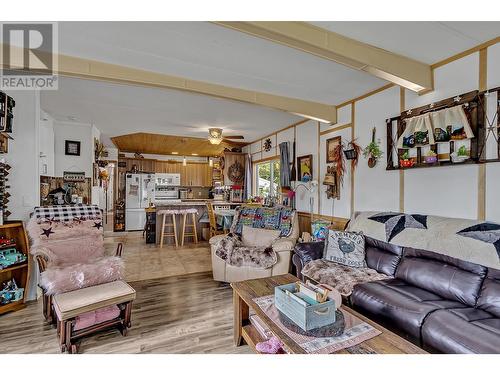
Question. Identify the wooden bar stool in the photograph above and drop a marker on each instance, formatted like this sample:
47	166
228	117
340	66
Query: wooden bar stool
193	212
164	225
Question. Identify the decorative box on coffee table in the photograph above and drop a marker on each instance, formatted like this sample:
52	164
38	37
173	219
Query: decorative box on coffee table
306	317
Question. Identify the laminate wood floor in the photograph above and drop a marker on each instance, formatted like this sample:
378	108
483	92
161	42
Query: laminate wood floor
179	307
178	314
149	261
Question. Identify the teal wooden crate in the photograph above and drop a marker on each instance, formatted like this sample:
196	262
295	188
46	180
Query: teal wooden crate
306	317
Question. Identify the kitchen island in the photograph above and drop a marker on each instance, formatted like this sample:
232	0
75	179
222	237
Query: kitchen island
201	207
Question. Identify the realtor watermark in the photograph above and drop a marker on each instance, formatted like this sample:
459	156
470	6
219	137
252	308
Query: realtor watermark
29	58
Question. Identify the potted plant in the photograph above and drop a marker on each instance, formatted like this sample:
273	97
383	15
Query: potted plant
461	155
405	161
373	151
430	157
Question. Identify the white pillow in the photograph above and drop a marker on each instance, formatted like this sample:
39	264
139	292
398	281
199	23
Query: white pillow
258	237
347	248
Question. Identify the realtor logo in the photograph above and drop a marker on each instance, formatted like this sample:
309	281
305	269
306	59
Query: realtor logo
29	56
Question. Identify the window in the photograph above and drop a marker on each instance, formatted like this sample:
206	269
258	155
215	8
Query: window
268	178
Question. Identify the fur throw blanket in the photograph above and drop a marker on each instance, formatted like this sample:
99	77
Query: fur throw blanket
231	250
58	280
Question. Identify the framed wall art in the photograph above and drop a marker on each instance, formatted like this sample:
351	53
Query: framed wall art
305	164
331	143
72	148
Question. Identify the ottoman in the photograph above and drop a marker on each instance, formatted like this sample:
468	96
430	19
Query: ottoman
89	310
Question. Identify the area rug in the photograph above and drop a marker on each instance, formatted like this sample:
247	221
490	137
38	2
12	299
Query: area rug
356	331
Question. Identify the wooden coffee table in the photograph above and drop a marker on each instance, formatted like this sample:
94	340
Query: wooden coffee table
245	291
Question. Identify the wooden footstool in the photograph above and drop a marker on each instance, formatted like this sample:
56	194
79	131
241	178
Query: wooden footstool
68	306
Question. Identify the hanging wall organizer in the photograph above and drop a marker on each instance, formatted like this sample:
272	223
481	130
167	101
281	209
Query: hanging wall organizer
449	132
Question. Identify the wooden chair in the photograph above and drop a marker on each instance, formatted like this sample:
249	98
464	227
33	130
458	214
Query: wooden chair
214	228
193	233
165	225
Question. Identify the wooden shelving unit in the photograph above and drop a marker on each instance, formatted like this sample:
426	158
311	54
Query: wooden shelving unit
19	272
474	103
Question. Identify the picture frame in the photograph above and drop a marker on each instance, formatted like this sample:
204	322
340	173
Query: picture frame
72	148
331	143
305	170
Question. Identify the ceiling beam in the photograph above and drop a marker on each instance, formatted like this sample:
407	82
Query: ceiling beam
398	69
77	67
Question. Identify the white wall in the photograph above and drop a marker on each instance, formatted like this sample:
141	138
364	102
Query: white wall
47	146
446	191
375	188
73	131
307	143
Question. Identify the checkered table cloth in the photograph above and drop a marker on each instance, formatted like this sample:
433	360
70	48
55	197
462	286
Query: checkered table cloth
68	213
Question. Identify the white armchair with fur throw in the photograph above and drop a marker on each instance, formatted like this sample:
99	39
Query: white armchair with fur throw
260	244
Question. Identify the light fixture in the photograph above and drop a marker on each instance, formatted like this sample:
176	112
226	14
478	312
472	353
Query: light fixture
194	154
215	136
184	161
175	153
210	162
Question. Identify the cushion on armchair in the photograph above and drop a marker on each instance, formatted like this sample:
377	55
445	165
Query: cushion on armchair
256	237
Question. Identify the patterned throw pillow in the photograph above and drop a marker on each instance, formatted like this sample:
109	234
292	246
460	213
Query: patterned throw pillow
347	248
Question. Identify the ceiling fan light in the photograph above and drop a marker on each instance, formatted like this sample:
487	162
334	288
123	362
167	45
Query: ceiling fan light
215	136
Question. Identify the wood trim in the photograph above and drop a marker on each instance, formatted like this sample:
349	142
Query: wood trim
458	56
71	66
353	128
481	188
318	163
305	220
364	96
276	157
402	107
338	48
483	69
281	130
336	129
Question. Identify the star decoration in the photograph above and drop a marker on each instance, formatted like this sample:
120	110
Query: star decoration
47	232
97	225
395	223
486	232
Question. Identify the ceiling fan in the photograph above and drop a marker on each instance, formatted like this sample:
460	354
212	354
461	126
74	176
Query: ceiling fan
215	136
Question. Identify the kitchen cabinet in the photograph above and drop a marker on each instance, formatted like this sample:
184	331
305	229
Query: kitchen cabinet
192	174
142	165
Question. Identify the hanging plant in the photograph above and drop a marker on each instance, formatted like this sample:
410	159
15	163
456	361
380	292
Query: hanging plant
337	157
343	152
373	151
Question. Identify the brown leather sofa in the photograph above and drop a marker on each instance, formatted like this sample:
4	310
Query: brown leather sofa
443	304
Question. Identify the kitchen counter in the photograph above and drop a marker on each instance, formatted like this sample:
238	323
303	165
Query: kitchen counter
199	204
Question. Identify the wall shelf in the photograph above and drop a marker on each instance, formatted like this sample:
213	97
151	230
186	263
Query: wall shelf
474	103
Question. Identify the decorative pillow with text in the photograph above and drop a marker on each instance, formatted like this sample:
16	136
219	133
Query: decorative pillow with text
347	248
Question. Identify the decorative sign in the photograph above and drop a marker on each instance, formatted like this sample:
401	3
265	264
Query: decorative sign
74	176
268	145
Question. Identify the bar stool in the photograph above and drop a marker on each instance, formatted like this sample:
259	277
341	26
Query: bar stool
193	212
173	225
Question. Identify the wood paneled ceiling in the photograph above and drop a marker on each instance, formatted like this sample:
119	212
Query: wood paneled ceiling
147	143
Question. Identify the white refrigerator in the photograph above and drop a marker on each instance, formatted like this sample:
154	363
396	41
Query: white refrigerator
139	191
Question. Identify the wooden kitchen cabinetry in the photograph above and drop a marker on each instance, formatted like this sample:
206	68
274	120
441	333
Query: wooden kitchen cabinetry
142	165
193	174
